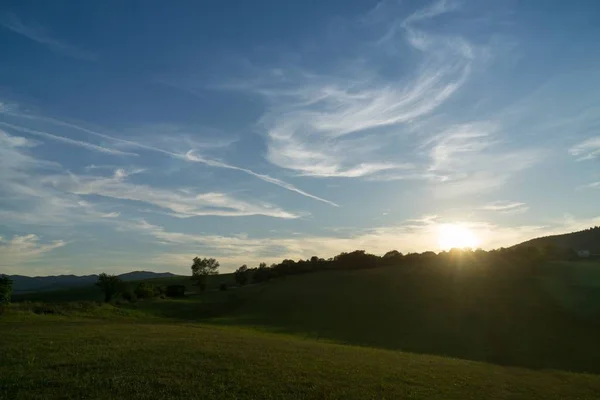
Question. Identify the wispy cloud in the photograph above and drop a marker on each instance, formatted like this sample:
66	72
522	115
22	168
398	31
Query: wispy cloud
27	199
190	155
177	203
506	207
342	124
38	34
67	140
472	158
587	150
20	250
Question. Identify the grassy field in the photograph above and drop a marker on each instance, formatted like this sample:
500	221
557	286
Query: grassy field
49	357
381	333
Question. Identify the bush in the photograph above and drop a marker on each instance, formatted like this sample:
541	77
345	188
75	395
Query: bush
175	291
223	287
144	291
129	296
159	291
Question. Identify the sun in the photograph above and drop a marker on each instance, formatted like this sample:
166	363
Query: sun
456	236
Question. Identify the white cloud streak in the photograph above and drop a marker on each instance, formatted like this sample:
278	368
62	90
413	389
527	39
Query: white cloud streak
506	207
213	163
586	150
69	141
38	34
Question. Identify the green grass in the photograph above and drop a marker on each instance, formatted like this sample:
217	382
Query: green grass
47	358
381	333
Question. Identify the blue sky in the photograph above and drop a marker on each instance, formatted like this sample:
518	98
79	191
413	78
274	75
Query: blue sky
138	135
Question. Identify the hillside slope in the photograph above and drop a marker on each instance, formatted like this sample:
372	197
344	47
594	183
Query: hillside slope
512	323
588	239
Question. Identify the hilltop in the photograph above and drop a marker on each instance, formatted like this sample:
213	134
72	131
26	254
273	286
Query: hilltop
587	239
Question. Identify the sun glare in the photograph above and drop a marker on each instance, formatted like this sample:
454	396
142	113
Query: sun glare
456	236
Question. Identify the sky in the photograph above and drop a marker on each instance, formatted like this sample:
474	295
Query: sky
138	135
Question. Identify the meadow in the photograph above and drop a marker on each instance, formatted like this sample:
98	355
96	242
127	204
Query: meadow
387	332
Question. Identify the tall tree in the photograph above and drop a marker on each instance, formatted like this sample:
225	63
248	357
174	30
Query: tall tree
202	268
110	285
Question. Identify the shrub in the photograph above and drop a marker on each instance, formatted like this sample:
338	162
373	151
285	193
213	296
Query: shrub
175	291
144	290
129	296
223	287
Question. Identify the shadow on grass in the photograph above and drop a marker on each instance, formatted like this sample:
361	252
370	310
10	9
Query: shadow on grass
514	325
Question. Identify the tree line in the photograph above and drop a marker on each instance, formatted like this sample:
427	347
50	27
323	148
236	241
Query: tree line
518	260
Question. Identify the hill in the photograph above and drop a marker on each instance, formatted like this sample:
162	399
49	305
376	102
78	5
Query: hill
549	321
22	284
588	239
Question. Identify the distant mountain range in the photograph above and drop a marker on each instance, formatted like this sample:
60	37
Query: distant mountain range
23	284
588	239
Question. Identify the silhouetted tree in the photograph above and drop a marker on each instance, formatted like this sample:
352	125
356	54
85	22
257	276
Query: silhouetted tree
202	268
110	285
5	288
392	257
241	275
263	273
